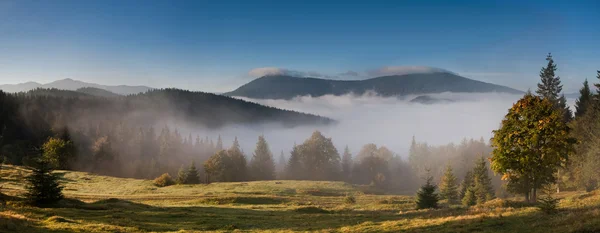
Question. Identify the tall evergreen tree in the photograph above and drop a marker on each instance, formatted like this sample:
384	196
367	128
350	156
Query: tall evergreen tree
426	196
262	165
482	183
238	162
346	164
295	167
192	175
466	183
584	100
449	186
43	186
281	164
550	87
219	145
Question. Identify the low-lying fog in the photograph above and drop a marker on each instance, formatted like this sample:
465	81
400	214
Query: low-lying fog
386	121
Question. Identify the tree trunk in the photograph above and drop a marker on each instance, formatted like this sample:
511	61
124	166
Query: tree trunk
558	182
534	195
527	197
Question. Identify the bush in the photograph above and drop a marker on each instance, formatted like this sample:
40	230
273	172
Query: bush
350	200
548	204
164	180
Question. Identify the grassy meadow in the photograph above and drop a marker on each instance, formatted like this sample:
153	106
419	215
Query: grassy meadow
108	204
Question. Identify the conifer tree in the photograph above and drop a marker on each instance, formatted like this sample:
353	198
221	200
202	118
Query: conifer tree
281	164
262	165
426	196
584	100
219	145
181	175
238	162
469	199
449	186
346	164
192	176
482	183
466	183
43	186
550	88
294	169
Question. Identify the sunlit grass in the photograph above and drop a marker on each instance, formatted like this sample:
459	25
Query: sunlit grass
108	204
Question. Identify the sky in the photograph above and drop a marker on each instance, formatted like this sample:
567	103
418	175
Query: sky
216	46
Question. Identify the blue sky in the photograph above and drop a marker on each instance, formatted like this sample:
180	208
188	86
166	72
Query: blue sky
212	45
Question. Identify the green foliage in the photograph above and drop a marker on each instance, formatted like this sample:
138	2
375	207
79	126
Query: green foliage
427	198
469	198
532	142
466	183
181	175
550	86
482	184
238	170
262	166
163	180
58	153
548	204
449	186
584	100
315	159
192	176
43	186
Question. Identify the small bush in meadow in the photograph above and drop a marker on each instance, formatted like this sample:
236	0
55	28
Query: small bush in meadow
164	180
350	200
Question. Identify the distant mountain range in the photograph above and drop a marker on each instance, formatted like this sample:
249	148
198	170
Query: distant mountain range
288	87
70	84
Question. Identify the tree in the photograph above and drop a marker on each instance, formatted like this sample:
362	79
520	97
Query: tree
426	196
597	85
219	145
295	168
449	186
238	162
217	167
550	88
43	186
281	164
192	176
262	165
466	184
320	159
469	199
482	184
532	142
584	100
181	175
346	164
59	153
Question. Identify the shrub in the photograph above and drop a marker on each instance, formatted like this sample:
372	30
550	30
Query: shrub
426	196
164	180
548	204
350	200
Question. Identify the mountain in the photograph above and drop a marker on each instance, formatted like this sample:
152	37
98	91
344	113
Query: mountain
287	87
425	99
70	84
155	107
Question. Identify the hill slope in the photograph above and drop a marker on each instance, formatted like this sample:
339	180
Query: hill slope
70	84
287	87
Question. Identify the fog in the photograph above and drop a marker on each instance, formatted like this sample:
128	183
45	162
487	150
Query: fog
386	121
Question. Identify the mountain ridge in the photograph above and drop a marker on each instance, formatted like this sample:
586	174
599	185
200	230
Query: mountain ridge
288	87
72	85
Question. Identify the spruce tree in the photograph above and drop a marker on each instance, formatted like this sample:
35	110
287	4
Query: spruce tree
262	165
426	196
550	86
584	100
449	186
43	186
238	162
192	175
181	175
466	184
469	199
219	145
482	183
346	164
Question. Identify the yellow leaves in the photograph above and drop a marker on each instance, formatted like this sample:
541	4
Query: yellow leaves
506	176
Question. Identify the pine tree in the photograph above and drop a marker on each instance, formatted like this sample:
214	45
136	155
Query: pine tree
469	199
192	176
238	162
346	164
181	175
43	186
449	186
219	145
426	196
466	184
550	86
584	100
281	165
262	165
482	183
294	168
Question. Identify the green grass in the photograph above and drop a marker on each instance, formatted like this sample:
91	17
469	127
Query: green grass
108	204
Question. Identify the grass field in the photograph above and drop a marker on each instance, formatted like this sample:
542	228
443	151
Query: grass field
108	204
